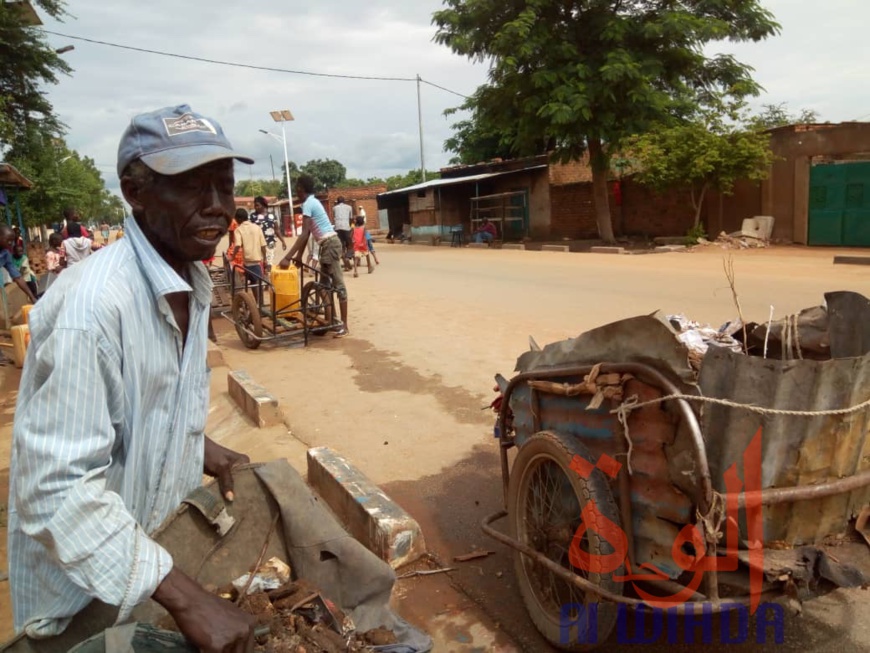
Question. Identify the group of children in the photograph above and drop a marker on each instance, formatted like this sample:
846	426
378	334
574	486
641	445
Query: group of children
58	256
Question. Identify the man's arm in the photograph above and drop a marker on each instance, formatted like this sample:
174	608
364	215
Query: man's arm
25	289
65	442
262	241
17	278
298	246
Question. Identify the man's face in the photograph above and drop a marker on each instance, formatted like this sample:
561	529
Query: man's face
186	215
259	208
7	236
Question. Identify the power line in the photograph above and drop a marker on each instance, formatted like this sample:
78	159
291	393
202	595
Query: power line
250	66
443	89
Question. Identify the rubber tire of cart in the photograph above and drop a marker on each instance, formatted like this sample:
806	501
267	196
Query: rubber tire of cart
322	298
561	450
246	300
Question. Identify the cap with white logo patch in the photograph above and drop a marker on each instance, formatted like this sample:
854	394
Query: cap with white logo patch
174	140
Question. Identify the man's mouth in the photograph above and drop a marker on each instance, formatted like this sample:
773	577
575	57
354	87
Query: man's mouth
209	234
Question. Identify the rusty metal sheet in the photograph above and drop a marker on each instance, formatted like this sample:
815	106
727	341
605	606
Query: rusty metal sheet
647	339
795	450
659	508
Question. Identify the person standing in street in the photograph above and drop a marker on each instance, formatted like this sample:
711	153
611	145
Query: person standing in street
267	222
109	423
316	224
251	242
78	246
7	242
342	214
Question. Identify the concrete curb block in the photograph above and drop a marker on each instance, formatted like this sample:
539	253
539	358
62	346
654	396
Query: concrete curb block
214	356
514	246
852	260
254	400
368	514
555	248
478	245
608	250
663	249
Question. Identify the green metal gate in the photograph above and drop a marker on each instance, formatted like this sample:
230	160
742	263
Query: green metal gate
840	204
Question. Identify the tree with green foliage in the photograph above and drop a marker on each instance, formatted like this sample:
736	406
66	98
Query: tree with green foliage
62	177
778	115
254	187
410	178
713	150
479	138
327	173
294	176
27	64
585	75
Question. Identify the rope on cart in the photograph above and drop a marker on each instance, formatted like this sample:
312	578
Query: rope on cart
624	410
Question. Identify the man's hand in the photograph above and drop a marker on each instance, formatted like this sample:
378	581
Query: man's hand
219	464
210	623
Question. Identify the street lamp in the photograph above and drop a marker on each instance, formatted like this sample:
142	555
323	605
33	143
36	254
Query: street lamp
284	116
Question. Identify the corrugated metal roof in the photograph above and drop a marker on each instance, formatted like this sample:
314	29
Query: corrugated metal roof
9	176
454	180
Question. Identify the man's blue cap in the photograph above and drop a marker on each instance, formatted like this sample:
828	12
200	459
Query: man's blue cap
174	140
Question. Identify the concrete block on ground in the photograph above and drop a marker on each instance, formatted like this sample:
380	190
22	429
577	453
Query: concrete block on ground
368	514
214	356
254	400
608	250
555	248
478	245
519	246
670	248
852	260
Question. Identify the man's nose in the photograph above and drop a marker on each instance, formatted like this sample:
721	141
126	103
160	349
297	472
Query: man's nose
212	202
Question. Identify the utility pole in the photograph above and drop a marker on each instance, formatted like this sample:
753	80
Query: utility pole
272	161
420	121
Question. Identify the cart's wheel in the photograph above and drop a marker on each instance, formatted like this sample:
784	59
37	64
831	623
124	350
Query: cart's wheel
246	314
545	500
317	304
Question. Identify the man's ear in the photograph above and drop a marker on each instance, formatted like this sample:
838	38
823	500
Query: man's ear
131	191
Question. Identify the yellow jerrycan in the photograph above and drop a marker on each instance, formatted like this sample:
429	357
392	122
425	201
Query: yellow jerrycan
20	341
286	288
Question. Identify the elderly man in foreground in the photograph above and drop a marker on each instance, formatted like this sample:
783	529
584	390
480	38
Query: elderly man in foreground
108	436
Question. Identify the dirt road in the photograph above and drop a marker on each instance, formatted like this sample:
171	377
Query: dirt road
402	396
402	399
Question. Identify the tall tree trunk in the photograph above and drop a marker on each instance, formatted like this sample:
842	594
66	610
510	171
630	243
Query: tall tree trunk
600	195
698	204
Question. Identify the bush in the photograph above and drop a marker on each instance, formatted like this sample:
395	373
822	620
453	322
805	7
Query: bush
695	234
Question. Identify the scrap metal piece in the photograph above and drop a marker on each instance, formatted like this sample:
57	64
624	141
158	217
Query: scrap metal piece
212	508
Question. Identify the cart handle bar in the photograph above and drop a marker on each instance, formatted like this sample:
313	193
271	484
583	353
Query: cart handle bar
731	603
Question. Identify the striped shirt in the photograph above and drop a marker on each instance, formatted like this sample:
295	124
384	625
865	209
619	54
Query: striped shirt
318	222
108	435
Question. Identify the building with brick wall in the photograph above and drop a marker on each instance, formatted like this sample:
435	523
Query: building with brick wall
818	189
359	196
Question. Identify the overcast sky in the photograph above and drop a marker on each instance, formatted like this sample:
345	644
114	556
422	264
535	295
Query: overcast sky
818	62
